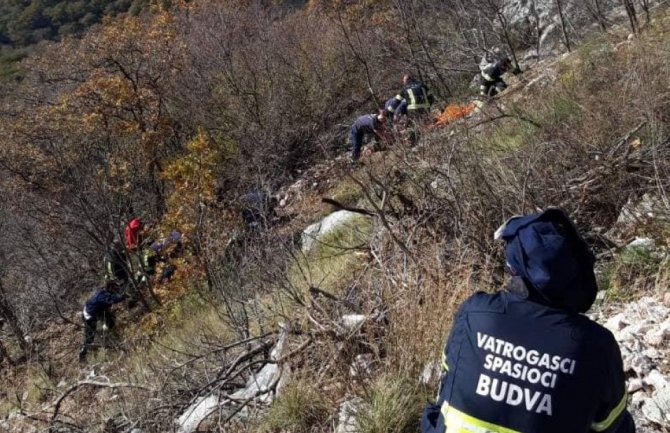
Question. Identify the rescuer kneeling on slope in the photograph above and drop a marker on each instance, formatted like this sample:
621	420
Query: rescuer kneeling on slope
525	360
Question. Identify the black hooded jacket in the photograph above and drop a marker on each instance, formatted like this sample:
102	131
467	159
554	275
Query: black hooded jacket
526	360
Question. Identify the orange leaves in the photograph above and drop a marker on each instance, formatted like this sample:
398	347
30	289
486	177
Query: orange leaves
192	177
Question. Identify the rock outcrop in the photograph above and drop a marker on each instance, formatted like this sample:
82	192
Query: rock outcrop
642	329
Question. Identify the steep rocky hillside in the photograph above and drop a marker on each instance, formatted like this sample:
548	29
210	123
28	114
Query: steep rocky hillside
330	315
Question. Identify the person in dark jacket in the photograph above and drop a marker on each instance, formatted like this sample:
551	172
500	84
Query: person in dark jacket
116	263
258	208
418	96
394	108
491	82
98	308
526	360
364	125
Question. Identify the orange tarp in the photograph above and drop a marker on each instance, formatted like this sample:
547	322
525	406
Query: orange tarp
454	112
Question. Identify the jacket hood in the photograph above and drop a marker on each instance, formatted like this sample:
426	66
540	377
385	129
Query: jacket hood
135	223
546	250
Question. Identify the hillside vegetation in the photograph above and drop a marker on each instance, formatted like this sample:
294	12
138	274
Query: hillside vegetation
173	115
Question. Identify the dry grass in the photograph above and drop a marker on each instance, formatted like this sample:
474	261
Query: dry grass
301	408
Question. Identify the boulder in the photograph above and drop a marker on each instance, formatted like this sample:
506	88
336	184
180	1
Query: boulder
338	220
646	208
640	364
346	422
617	323
635	385
353	322
189	421
258	386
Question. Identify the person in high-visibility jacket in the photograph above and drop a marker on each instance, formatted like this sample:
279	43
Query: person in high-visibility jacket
417	95
491	82
525	360
115	263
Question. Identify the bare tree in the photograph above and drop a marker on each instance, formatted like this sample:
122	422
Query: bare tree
566	38
632	15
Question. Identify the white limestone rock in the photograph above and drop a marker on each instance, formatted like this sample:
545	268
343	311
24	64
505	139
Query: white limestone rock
347	417
635	385
617	323
342	219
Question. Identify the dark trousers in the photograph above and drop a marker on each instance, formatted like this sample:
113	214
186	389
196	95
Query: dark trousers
357	137
90	329
492	88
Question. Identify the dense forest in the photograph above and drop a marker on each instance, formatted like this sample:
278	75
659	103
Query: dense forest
25	23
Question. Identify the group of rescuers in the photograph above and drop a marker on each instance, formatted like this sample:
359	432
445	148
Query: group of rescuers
412	104
522	360
124	277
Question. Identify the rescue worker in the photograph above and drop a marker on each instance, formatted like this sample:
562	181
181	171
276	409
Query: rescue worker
364	125
156	252
489	58
491	82
394	108
418	97
257	208
149	258
525	360
98	308
116	264
132	233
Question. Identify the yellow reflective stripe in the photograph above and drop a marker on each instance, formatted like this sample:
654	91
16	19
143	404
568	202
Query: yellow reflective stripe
399	98
412	98
445	366
605	424
460	422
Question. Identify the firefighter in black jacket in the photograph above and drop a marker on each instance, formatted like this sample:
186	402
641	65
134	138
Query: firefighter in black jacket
491	82
526	360
418	97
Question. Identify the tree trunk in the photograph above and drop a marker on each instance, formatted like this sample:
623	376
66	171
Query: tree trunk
564	30
508	39
632	15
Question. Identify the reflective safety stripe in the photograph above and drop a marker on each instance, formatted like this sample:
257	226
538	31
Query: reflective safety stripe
445	366
460	422
487	77
412	98
413	105
607	422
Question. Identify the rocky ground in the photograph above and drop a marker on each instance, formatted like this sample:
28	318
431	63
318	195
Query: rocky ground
642	329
